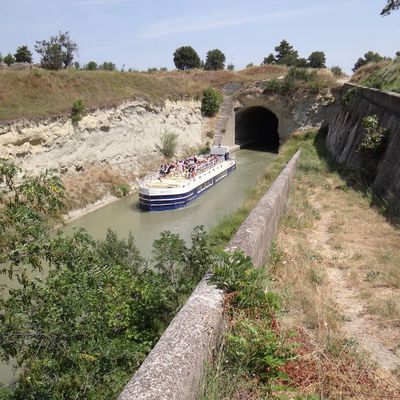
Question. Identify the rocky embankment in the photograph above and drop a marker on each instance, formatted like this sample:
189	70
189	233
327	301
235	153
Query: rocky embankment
106	148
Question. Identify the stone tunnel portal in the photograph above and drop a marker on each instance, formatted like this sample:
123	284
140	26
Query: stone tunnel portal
257	127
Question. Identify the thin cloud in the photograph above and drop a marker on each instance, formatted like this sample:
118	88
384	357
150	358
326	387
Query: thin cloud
185	25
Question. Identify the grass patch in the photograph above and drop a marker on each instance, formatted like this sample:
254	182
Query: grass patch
228	226
383	75
41	93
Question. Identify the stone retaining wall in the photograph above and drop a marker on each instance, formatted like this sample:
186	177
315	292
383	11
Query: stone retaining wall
174	368
346	133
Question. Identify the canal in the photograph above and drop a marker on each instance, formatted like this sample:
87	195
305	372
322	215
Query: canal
124	216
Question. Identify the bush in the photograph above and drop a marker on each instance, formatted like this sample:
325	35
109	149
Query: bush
23	55
122	190
215	60
337	71
374	139
185	57
9	59
375	82
211	102
169	144
77	109
348	96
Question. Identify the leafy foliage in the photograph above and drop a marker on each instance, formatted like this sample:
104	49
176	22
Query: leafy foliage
286	54
374	139
215	60
391	5
169	144
211	102
81	331
349	96
253	343
77	109
26	205
9	59
185	57
57	52
91	66
270	59
230	67
317	59
23	55
369	57
337	71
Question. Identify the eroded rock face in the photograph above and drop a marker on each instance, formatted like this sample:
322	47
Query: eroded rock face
125	137
295	112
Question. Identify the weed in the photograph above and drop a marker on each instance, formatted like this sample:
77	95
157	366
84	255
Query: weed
169	144
77	110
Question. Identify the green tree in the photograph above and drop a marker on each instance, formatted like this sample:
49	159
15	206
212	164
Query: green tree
249	65
369	57
9	59
26	206
269	60
185	58
215	60
302	63
391	6
1	58
317	59
285	54
91	66
77	65
23	55
108	66
230	67
337	71
57	52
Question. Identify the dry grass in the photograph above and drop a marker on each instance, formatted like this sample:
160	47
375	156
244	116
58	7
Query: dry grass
365	71
91	185
38	93
329	243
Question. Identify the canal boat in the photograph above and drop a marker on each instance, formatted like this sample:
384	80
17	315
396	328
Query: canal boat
176	185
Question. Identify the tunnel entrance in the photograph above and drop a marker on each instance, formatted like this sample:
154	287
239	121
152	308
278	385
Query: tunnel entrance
257	127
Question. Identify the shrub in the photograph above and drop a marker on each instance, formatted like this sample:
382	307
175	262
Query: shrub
374	139
91	66
23	55
9	59
348	96
211	102
230	67
273	86
375	82
77	109
337	71
169	144
122	190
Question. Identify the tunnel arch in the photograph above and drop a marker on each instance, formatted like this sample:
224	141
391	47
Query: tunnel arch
257	127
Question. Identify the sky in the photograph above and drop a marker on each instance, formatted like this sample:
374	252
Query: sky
145	33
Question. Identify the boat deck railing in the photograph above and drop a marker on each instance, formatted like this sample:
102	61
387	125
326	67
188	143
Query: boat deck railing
147	180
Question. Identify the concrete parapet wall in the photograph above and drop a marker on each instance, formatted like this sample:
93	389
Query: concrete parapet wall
174	369
256	233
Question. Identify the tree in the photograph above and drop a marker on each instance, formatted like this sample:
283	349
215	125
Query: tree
58	52
269	60
337	71
285	54
91	66
77	65
23	55
185	58
108	66
215	60
397	54
230	67
317	59
9	59
369	57
1	58
391	6
249	65
302	63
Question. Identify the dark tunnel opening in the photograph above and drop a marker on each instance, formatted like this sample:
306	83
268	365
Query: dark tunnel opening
257	127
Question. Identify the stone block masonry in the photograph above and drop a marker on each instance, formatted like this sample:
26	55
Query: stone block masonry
174	369
346	133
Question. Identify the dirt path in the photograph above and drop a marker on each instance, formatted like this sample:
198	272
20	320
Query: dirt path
357	322
332	243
